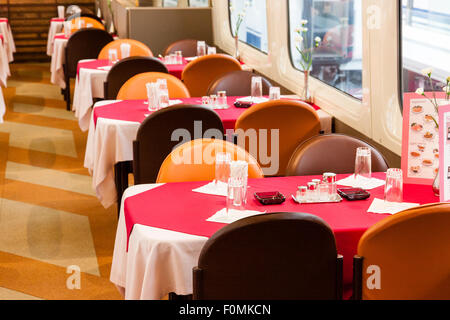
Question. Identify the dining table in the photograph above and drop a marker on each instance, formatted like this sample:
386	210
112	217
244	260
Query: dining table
113	126
162	228
91	75
56	26
8	39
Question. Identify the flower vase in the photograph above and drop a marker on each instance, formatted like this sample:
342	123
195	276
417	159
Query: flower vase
236	48
306	96
436	184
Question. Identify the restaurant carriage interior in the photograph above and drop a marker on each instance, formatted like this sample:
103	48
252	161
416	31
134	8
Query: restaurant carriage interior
225	150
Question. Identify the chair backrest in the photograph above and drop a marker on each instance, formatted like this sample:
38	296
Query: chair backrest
199	74
137	49
84	44
237	83
407	255
84	14
308	158
187	46
298	261
127	68
183	163
87	20
154	139
135	88
282	125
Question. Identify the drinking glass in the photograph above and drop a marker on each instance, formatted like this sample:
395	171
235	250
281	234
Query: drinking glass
223	162
235	194
393	189
363	163
163	93
212	50
125	49
222	99
205	100
81	23
179	55
213	101
256	87
201	48
61	12
274	93
112	56
324	193
152	96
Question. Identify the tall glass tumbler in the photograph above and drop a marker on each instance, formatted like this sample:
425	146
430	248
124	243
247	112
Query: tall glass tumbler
393	189
256	91
363	163
201	48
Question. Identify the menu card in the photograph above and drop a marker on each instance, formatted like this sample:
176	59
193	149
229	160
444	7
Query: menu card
444	147
420	148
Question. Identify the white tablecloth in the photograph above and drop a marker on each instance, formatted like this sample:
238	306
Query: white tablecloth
158	261
4	74
111	141
10	46
55	27
57	63
89	85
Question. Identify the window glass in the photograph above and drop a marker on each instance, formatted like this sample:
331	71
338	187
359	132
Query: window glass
252	28
337	58
199	3
425	44
170	3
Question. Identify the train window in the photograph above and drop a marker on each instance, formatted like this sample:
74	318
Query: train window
337	59
252	28
425	34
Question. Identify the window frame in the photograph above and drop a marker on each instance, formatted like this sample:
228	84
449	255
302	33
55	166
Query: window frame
252	46
291	58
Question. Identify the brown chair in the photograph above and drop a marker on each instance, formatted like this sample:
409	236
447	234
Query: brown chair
295	122
237	83
298	261
83	44
154	139
137	49
126	69
405	256
135	88
330	153
185	163
198	75
187	46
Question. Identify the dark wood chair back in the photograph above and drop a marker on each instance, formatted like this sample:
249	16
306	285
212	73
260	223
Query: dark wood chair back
278	256
155	140
126	69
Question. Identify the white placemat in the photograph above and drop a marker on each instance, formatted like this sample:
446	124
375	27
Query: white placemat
381	206
222	216
216	189
361	182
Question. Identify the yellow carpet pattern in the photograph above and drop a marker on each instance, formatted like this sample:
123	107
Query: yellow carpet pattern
50	218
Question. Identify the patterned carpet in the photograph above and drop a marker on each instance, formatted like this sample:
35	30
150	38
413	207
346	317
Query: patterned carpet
50	218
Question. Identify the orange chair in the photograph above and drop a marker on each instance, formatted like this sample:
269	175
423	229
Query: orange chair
200	73
195	161
405	256
135	88
87	20
138	49
295	122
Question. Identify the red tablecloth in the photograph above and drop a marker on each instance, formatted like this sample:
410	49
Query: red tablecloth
174	69
136	110
175	207
57	19
1	38
61	36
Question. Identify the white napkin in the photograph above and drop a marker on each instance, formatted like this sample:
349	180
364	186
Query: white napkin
233	215
171	102
190	58
361	182
106	68
252	99
381	206
219	189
